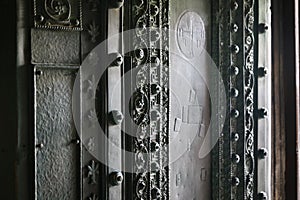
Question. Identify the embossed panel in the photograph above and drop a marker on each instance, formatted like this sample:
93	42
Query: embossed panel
57	157
57	14
55	47
190	100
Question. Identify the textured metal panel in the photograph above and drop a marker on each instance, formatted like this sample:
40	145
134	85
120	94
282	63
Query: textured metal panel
234	175
55	47
189	175
57	157
57	14
94	25
264	98
151	178
114	130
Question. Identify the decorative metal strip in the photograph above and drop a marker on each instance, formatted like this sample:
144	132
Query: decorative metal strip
234	173
58	14
152	83
249	40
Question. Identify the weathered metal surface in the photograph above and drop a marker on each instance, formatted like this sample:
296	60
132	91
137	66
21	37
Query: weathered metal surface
94	25
55	47
190	101
151	176
264	97
57	14
235	173
57	152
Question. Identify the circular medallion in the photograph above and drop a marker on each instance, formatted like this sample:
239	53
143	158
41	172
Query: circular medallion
190	34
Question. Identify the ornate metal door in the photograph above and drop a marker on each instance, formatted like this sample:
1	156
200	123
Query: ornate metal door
151	99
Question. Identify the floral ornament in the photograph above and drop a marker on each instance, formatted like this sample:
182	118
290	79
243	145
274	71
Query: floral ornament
93	30
93	171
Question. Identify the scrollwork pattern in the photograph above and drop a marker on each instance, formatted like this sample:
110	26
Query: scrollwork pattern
249	99
151	99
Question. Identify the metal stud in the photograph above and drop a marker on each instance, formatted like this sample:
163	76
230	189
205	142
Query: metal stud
117	59
235	158
75	141
155	89
155	115
155	193
38	72
262	113
234	70
40	146
262	71
235	137
116	117
116	3
234	92
235	49
116	178
262	27
235	181
234	113
262	153
234	5
262	196
39	18
75	22
155	61
154	146
234	28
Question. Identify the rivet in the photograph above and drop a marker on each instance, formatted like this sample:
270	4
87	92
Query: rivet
75	22
117	59
41	145
154	146
234	27
235	181
75	141
155	89
262	153
235	49
262	71
235	158
155	193
234	113
262	27
116	178
154	166
235	137
139	53
116	117
262	196
234	92
155	115
234	70
234	5
117	3
39	18
38	72
262	113
155	61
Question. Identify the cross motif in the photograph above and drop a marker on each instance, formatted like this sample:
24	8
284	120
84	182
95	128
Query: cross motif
93	172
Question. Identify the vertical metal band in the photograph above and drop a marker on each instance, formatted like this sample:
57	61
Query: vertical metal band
152	85
234	174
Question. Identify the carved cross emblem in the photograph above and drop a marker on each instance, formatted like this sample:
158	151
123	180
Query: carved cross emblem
93	171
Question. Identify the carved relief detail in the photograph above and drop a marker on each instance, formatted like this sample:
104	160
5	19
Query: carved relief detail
57	14
150	101
93	171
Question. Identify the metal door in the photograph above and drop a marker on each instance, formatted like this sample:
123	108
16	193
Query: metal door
150	99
